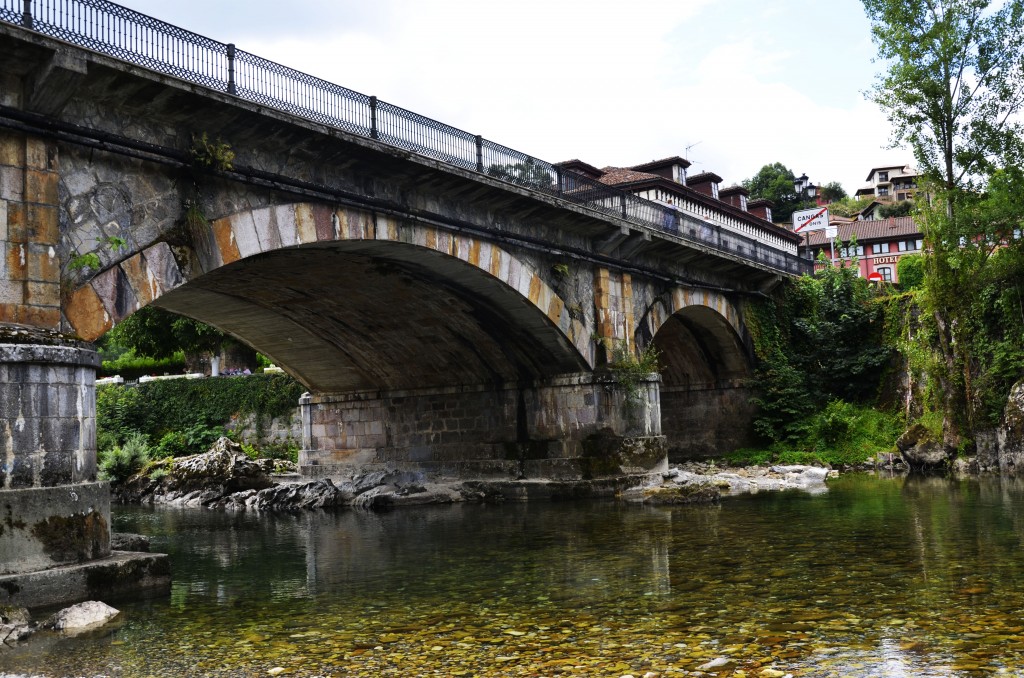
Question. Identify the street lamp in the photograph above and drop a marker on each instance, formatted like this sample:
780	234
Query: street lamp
804	187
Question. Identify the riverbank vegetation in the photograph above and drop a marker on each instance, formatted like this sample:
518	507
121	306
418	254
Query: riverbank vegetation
179	417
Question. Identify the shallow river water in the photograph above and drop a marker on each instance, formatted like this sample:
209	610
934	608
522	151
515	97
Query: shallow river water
876	577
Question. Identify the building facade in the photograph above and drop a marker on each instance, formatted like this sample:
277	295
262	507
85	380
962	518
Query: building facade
876	245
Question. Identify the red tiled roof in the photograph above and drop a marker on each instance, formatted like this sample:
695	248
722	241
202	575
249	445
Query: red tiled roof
613	176
732	190
868	231
702	177
577	164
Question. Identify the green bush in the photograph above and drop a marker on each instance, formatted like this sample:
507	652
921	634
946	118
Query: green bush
192	440
131	367
122	461
840	434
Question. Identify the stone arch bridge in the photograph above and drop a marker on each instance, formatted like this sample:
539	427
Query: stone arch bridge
442	318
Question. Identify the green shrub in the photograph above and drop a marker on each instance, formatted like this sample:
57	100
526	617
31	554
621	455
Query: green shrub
192	440
122	461
131	367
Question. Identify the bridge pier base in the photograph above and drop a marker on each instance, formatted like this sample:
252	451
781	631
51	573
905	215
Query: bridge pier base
572	428
54	514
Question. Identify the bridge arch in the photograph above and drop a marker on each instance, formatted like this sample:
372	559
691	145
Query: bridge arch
347	299
705	365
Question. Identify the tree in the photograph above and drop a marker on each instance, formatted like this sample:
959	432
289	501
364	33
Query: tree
775	182
953	90
955	80
157	333
902	208
833	192
527	173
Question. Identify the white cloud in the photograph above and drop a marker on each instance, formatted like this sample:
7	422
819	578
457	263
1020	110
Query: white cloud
609	83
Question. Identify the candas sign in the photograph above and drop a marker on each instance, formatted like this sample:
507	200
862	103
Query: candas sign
815	219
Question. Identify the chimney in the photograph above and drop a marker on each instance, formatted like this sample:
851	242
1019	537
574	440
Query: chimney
762	208
735	195
705	182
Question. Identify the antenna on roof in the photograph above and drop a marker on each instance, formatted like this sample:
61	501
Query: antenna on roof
686	153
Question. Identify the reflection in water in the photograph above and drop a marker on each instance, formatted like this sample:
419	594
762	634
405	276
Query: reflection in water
878	577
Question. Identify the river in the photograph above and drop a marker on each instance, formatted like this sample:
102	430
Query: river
875	577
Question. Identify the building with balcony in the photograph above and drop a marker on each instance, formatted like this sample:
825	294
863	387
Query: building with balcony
890	184
879	245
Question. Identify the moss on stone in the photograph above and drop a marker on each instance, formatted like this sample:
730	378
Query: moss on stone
79	537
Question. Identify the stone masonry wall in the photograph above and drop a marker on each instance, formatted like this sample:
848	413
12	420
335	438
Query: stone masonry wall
473	432
706	422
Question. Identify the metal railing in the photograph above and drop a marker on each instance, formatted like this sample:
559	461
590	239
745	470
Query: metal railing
139	39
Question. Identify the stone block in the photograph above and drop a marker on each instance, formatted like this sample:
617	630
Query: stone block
40	154
41	186
42	224
12	184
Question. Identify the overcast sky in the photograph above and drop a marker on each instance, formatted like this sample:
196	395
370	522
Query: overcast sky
730	84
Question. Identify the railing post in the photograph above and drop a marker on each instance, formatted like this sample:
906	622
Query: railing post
622	203
479	153
558	180
231	69
26	13
373	118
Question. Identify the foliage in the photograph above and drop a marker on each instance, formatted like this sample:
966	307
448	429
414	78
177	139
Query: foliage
953	90
849	207
192	440
212	154
527	173
131	367
775	182
157	333
631	369
819	341
902	208
840	434
120	462
192	410
833	191
910	271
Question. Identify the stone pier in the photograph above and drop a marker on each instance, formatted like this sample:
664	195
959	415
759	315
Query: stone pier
577	427
54	514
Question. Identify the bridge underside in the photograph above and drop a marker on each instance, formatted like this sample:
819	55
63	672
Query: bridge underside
418	360
378	316
705	397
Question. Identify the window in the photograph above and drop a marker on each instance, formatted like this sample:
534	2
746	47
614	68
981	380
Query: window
886	273
846	251
910	245
920	244
879	248
883	176
883	190
901	196
714	190
1016	234
743	202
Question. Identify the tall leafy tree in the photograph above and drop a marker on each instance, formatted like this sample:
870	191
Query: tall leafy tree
775	182
833	191
953	89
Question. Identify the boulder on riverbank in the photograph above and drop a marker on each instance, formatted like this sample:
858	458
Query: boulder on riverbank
197	480
922	452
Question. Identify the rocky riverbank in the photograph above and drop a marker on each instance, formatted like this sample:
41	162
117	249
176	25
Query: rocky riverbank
224	477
